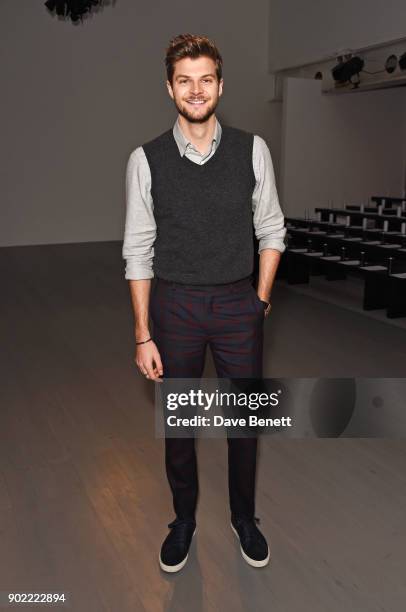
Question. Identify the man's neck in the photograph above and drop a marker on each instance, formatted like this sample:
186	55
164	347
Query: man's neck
199	134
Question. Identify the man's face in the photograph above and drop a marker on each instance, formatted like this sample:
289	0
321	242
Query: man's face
195	88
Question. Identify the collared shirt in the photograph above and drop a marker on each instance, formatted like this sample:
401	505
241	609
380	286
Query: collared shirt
140	227
187	148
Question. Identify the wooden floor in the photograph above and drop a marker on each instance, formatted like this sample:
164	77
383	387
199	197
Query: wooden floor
84	503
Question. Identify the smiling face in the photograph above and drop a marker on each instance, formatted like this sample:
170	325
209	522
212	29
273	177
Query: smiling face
195	88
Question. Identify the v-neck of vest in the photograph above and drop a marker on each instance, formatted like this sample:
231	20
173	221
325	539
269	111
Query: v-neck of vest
212	158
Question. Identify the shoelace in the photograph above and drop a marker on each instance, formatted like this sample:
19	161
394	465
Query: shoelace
181	533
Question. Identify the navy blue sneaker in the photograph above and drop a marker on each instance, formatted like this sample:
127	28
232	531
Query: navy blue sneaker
175	549
254	547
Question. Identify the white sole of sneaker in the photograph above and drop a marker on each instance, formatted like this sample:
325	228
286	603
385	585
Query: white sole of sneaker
248	559
174	568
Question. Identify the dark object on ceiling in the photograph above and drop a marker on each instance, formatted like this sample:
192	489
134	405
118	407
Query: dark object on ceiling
391	64
345	70
402	61
72	9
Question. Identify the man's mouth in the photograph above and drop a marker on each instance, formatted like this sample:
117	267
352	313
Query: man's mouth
196	102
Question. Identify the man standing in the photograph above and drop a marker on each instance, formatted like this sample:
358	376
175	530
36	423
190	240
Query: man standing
194	195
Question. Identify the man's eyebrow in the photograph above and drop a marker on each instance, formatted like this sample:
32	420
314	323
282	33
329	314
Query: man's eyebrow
186	76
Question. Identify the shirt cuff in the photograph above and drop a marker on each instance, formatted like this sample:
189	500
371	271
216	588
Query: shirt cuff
272	243
134	271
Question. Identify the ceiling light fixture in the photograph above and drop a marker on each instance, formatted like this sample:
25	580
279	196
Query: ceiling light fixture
73	9
346	69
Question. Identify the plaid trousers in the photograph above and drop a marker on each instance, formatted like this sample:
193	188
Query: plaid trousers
229	318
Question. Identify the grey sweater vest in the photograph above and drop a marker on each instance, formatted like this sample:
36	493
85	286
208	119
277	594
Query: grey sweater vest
203	213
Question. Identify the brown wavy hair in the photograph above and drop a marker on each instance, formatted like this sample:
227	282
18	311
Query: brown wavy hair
191	45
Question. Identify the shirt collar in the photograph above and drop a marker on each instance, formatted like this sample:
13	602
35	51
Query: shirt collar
183	143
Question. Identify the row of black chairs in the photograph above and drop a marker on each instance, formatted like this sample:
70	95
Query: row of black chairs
385	214
376	257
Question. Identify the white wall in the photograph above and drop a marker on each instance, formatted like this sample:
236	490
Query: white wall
77	100
305	32
340	148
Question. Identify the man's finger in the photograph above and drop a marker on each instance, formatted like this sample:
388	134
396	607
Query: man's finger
158	364
150	372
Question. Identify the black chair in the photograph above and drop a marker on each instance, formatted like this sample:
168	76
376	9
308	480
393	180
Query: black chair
396	290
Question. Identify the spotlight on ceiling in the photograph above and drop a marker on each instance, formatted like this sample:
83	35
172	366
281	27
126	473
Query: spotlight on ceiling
402	62
391	64
346	69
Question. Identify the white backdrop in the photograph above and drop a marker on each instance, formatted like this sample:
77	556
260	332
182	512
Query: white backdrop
340	148
77	100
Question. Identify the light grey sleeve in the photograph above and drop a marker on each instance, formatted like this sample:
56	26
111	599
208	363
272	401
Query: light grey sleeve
268	217
140	226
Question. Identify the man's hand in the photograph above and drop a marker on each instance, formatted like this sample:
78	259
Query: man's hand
267	310
268	264
147	355
148	361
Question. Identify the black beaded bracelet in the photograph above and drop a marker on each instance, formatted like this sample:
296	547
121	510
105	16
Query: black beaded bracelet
144	341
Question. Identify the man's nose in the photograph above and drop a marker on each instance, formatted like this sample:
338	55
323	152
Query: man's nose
196	88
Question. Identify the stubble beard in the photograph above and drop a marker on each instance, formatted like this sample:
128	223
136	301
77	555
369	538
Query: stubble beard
182	110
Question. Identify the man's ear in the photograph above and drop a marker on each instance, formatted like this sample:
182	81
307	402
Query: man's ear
170	90
221	82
